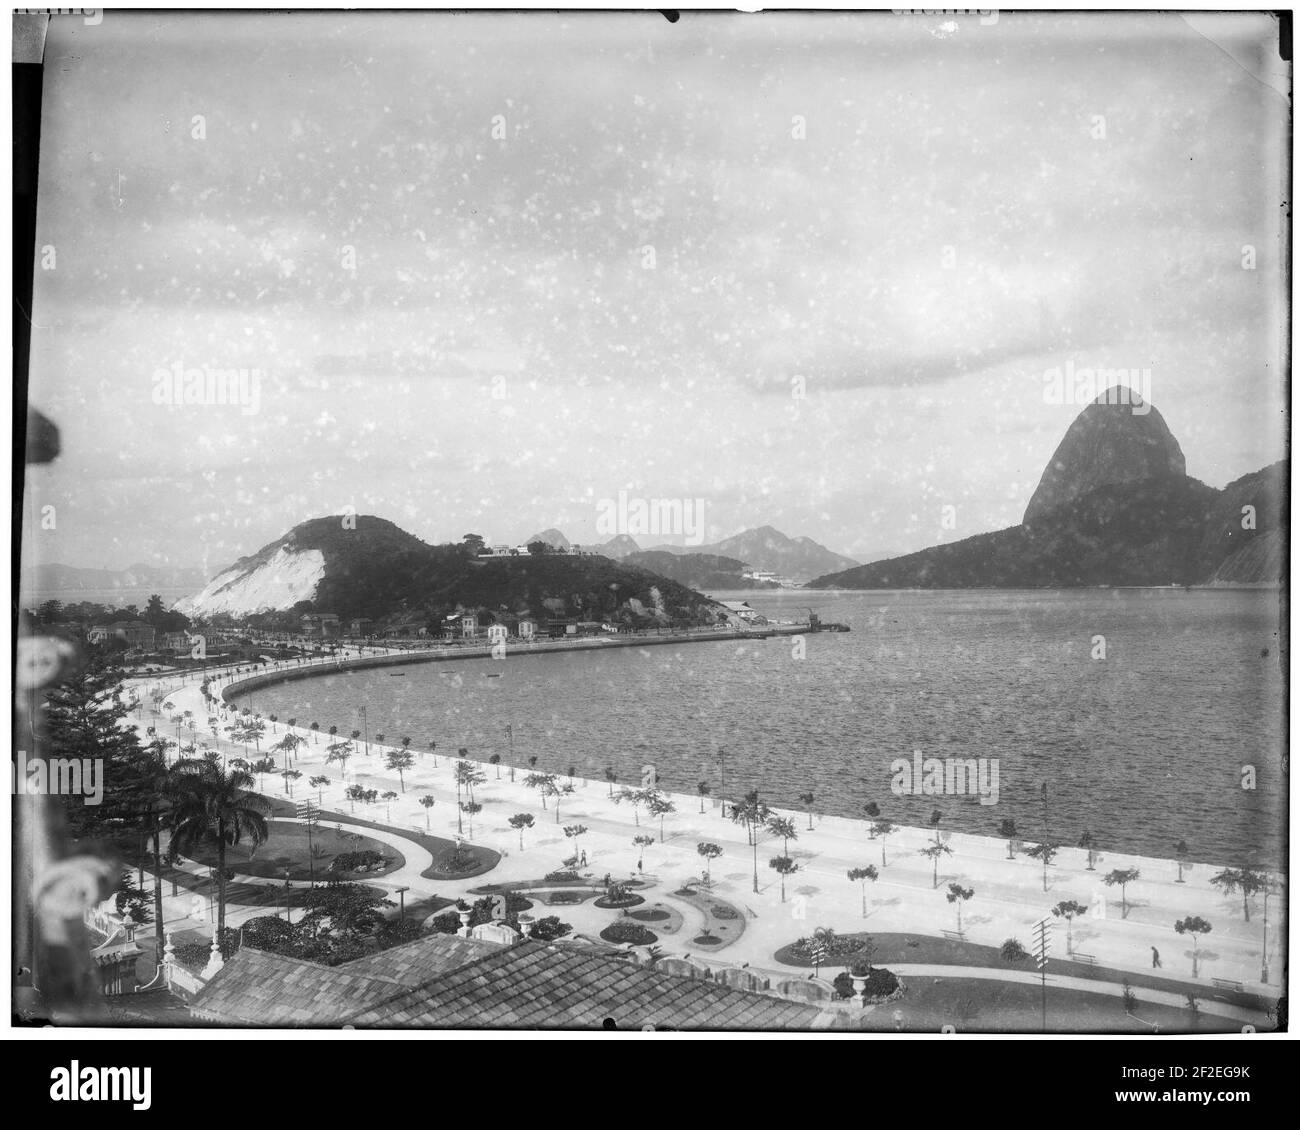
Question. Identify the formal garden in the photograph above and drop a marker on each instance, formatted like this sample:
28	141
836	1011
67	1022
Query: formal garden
322	852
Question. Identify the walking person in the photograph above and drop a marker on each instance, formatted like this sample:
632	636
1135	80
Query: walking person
1155	958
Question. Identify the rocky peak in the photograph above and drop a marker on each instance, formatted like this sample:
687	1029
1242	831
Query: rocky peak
1118	438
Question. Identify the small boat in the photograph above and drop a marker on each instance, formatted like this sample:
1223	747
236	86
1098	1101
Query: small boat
397	674
493	674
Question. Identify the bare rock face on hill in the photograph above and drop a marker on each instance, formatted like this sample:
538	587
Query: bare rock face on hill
1118	439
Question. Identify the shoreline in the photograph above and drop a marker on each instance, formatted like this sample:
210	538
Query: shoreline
974	844
907	898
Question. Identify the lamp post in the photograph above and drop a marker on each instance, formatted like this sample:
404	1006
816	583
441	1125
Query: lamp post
288	899
401	895
365	730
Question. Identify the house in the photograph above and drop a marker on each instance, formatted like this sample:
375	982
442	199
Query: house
461	625
134	633
175	641
320	625
497	633
527	629
740	610
362	627
448	981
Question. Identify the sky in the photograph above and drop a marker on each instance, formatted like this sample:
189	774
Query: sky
486	271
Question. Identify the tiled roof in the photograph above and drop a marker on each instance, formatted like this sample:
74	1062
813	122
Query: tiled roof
415	962
255	987
532	985
259	988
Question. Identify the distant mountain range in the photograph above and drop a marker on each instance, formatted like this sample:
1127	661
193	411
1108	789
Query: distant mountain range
769	549
702	571
1114	507
367	567
53	578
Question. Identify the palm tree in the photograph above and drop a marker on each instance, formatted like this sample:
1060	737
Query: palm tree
612	778
783	865
315	733
433	746
495	759
1181	849
150	792
212	803
389	797
753	813
862	875
334	732
807	799
428	803
784	827
703	789
290	775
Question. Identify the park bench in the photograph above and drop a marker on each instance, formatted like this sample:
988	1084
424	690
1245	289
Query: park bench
1085	958
1224	983
954	935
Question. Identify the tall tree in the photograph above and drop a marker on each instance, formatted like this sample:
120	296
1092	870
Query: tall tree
213	805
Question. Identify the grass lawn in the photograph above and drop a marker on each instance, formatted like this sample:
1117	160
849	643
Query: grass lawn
484	859
925	949
241	894
1008	1006
288	847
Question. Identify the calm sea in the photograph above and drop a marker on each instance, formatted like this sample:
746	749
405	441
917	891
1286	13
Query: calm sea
1144	747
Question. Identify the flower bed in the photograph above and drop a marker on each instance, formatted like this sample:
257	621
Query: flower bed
606	903
626	931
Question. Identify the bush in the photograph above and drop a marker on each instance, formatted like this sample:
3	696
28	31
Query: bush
561	876
881	983
357	861
625	930
549	928
1012	951
834	946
